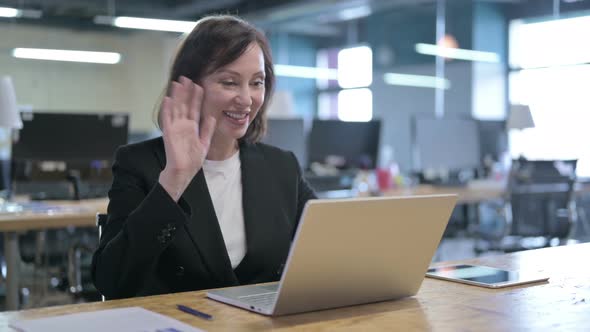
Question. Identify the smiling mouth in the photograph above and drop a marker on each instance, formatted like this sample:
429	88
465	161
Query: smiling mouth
236	115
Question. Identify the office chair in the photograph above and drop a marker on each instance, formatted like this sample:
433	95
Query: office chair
77	269
539	207
44	257
55	266
101	221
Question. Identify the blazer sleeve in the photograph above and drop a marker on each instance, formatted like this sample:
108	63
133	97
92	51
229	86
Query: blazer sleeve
142	222
304	191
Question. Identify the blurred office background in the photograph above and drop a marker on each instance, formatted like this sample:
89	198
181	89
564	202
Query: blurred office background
373	96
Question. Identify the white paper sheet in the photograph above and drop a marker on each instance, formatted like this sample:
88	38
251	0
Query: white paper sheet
132	319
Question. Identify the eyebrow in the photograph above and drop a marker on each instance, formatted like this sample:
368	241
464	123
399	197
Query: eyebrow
229	71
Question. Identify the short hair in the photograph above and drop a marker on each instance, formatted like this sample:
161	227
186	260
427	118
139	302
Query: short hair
217	41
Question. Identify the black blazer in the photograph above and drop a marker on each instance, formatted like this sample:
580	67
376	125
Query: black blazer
153	245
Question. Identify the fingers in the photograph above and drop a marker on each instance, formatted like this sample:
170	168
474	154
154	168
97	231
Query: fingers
176	100
187	89
207	128
166	112
181	95
194	111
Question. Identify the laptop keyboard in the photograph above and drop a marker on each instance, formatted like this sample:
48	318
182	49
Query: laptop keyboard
262	300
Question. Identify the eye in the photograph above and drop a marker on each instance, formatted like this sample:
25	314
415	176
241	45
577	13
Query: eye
229	83
258	83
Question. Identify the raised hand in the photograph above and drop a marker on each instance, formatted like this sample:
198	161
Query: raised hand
187	135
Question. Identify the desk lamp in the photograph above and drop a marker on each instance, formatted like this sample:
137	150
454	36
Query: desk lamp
520	118
9	115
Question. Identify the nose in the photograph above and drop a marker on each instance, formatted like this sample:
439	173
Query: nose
244	97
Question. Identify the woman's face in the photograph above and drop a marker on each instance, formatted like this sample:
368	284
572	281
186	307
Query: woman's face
234	93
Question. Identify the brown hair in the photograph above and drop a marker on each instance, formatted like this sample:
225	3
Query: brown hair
217	41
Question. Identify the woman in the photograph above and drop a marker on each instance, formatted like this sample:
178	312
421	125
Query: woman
206	205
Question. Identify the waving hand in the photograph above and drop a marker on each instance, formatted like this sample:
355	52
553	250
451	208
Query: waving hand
187	135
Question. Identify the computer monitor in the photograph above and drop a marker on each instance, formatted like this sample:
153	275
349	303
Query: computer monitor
448	143
55	152
350	144
493	138
69	136
287	134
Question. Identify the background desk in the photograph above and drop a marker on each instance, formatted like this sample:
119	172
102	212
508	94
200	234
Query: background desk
78	214
468	194
562	304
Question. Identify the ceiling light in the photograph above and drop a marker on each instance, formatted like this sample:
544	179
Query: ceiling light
420	81
9	12
13	12
306	72
354	13
457	53
146	23
66	55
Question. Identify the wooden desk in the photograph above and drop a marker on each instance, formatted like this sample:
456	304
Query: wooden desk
467	194
563	303
74	213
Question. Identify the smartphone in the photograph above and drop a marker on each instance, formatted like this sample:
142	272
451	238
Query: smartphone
484	276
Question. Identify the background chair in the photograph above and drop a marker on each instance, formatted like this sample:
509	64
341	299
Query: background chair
538	209
101	220
56	266
79	261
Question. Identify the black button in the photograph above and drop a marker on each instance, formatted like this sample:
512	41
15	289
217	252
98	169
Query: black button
179	271
163	238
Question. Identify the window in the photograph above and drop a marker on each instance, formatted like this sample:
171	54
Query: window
348	98
355	105
550	63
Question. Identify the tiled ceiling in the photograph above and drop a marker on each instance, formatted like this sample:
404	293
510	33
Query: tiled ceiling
306	16
317	17
178	9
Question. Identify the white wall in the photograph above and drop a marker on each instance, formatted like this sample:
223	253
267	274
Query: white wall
132	86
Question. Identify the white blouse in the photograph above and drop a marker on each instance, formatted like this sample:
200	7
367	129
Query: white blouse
224	180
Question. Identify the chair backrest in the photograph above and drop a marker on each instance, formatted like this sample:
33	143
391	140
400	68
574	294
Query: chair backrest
540	191
101	220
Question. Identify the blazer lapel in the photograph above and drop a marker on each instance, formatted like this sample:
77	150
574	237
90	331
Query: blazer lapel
259	210
204	230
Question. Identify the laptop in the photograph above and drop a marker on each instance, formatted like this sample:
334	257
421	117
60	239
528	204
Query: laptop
351	251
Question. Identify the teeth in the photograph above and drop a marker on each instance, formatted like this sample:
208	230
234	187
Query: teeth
236	116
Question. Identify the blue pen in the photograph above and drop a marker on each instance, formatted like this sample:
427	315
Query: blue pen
194	312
